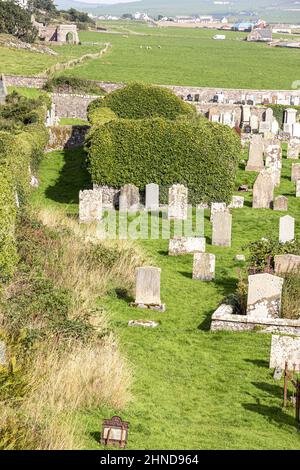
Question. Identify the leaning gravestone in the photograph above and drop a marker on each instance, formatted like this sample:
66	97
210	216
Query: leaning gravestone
129	200
295	171
152	197
285	349
281	203
185	245
221	230
204	266
287	264
90	206
264	296
286	229
256	159
178	202
147	294
263	191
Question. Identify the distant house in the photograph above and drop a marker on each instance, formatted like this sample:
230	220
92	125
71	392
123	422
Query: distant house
3	90
260	35
243	27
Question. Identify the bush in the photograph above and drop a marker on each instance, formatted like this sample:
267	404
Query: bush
72	85
263	252
16	21
279	111
202	155
138	101
101	116
291	296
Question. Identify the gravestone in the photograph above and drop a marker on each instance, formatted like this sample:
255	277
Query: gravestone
254	123
204	266
256	159
264	296
285	349
184	245
217	207
237	202
221	230
295	171
147	293
286	229
298	188
152	197
281	203
143	323
129	200
289	120
275	174
287	263
273	156
90	206
263	191
178	202
293	149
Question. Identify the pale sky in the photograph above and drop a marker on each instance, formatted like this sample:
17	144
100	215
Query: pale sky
108	2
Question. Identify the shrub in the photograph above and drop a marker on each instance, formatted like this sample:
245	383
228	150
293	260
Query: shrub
202	155
101	116
263	252
279	111
64	84
291	296
139	101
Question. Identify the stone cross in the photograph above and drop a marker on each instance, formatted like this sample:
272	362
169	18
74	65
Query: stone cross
287	263
204	266
264	296
129	200
286	229
152	197
178	202
256	149
90	206
263	191
186	245
281	203
147	294
285	349
221	230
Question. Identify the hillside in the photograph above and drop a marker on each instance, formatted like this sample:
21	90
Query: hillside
272	10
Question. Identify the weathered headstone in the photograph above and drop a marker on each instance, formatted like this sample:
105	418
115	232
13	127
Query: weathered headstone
275	174
285	349
221	230
281	203
90	206
204	266
147	294
263	191
293	149
287	263
185	245
298	188
273	156
129	200
289	120
217	207
286	229
264	296
256	149
254	122
295	171
143	323
152	197
178	202
237	202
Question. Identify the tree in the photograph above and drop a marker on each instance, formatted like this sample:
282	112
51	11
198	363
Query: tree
42	5
16	21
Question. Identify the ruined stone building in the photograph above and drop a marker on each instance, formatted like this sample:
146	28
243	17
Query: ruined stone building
61	33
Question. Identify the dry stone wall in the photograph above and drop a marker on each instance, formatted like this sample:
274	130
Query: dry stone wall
65	137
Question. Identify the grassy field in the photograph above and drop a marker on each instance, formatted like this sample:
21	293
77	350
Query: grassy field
190	57
193	389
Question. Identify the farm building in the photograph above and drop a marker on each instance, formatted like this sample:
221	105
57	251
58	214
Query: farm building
260	35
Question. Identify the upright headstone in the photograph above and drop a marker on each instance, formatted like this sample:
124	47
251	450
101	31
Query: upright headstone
178	202
129	200
275	174
90	206
147	293
217	207
184	245
221	230
152	197
264	296
298	188
281	203
237	202
204	266
287	264
263	191
256	159
295	171
286	229
285	349
273	156
254	123
293	149
289	120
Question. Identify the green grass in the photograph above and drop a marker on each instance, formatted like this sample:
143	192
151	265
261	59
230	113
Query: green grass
190	57
27	92
193	389
73	122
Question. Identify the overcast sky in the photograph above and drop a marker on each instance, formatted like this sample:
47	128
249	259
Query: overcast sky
108	2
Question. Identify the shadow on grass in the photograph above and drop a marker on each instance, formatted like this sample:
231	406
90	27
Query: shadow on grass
271	389
205	324
121	294
73	177
273	414
96	435
258	363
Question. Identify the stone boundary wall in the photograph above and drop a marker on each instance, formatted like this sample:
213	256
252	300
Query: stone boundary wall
224	320
235	108
66	137
71	106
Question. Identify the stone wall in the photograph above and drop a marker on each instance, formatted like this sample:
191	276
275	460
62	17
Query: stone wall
65	137
71	106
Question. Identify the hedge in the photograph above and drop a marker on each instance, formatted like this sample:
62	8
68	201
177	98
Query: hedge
202	155
279	111
139	101
19	151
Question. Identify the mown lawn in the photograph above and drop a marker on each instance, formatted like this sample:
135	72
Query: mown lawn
190	57
192	389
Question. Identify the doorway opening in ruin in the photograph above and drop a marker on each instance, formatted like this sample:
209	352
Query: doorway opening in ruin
70	38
